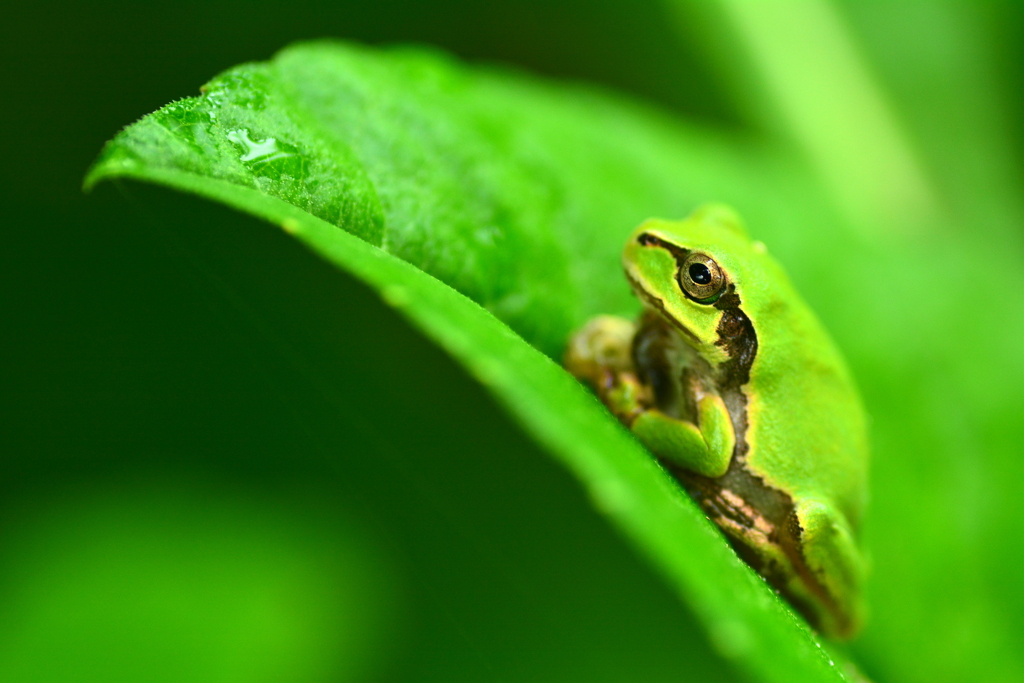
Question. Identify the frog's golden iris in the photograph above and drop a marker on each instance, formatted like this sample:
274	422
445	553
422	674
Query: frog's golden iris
701	277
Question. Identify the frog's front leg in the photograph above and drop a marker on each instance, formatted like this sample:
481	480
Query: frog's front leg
832	556
705	448
601	355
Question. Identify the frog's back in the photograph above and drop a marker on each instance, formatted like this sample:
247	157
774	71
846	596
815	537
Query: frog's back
807	426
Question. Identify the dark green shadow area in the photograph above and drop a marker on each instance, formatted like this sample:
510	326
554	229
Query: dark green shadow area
227	384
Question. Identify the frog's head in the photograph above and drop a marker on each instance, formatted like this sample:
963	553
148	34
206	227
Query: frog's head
696	273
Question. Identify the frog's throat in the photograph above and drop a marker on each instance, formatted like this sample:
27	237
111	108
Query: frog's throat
760	520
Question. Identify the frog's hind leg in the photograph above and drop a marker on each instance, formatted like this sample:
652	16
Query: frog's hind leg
832	557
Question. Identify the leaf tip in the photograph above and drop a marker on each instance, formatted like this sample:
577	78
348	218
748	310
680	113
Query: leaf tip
112	163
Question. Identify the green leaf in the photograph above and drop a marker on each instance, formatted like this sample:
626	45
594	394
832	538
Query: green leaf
489	209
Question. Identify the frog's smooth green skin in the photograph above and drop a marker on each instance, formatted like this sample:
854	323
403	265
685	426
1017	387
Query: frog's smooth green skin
734	384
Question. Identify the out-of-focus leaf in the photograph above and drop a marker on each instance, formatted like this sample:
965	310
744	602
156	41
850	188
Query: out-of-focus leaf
117	583
805	80
489	209
938	65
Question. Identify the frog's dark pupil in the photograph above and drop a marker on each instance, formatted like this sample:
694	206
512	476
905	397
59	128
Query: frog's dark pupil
700	274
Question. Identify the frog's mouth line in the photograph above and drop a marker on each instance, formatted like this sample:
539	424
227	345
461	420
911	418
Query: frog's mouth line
659	305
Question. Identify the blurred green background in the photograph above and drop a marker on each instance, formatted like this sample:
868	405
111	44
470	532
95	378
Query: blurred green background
223	460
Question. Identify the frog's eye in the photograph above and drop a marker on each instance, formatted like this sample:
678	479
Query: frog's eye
701	277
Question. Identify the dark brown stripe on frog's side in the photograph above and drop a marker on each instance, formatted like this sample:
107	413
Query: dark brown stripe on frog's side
739	498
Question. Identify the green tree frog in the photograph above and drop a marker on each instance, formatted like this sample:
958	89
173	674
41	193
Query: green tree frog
731	381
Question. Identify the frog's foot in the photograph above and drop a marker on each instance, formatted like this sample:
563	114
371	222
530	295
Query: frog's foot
832	557
600	354
602	346
705	448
